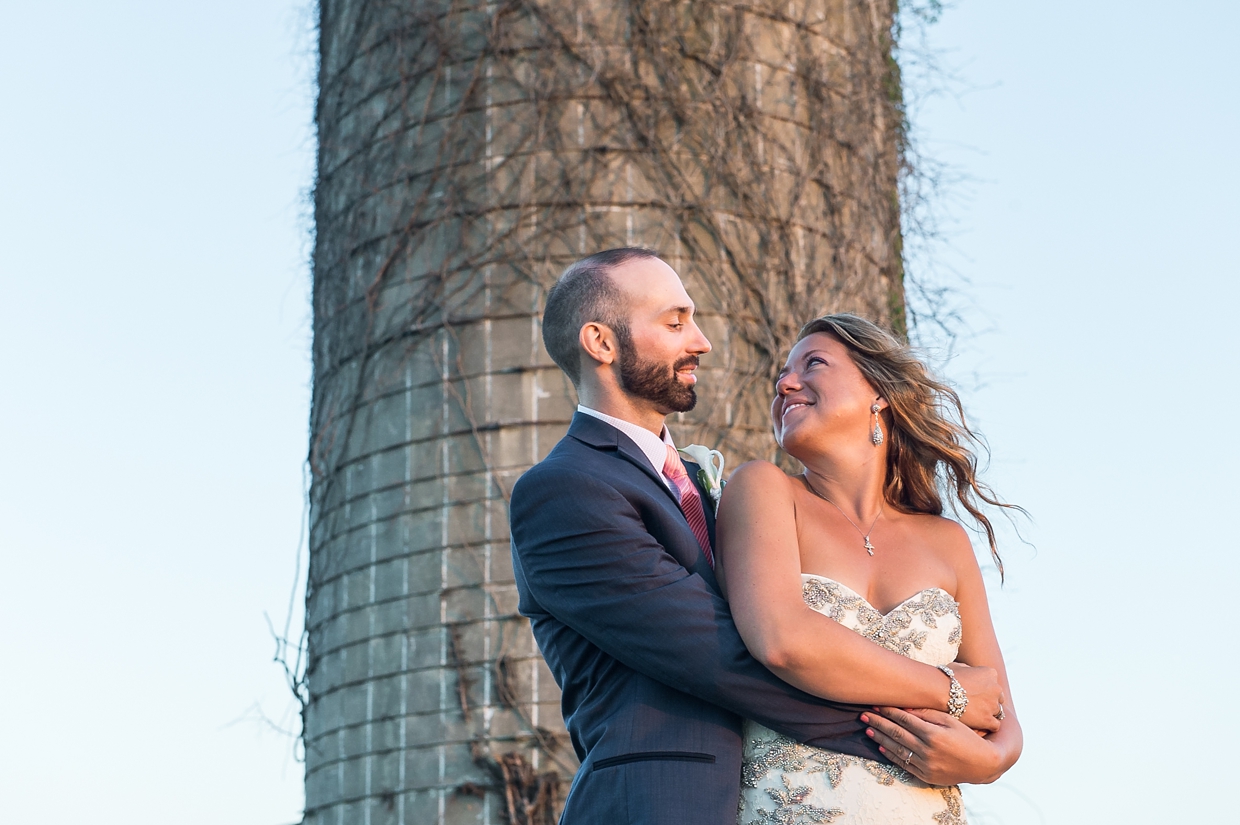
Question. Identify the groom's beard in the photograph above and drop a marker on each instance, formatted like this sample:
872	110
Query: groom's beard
656	382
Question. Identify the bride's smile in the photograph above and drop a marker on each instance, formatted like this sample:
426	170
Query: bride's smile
789	407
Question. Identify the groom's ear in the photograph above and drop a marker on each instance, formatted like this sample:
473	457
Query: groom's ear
599	342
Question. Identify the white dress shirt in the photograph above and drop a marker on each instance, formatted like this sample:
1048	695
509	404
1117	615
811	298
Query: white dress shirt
651	445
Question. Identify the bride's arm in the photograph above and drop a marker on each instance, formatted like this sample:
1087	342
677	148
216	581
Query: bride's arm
945	752
759	568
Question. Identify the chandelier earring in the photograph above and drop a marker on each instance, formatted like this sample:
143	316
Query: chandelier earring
877	435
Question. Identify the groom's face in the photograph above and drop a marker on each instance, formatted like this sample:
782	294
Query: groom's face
658	357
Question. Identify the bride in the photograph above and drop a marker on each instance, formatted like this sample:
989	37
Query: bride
859	538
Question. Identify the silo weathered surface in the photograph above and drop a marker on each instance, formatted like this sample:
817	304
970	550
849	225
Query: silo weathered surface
467	153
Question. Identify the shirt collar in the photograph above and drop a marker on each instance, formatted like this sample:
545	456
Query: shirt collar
652	446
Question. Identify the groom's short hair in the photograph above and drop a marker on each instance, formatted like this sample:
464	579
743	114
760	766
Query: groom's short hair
583	294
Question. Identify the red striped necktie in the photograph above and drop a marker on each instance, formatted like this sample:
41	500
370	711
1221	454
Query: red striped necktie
690	501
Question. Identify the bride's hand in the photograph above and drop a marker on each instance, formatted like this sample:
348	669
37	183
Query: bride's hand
981	685
934	747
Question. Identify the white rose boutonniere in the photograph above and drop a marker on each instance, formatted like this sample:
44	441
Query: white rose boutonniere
711	474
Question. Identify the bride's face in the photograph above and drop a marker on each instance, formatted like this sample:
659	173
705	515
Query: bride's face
821	399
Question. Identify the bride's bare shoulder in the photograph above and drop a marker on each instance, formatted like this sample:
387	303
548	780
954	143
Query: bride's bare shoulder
760	479
758	498
946	537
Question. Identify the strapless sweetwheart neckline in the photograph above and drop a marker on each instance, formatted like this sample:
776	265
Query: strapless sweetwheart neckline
786	782
864	600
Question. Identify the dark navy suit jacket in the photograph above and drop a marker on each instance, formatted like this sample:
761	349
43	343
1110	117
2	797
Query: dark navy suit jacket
629	616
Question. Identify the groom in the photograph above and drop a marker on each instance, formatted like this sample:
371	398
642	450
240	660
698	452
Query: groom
612	543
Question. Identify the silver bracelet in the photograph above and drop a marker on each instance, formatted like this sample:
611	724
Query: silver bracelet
957	699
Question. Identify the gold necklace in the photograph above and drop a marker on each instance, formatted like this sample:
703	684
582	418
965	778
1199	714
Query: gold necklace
869	548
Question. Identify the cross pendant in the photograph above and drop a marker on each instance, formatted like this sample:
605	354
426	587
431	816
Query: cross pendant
869	548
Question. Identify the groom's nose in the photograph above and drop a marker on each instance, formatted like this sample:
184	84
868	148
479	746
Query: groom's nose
700	344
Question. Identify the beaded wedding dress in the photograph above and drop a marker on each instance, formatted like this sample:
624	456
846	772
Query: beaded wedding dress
787	783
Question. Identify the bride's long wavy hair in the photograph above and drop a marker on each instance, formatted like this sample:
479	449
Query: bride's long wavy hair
929	443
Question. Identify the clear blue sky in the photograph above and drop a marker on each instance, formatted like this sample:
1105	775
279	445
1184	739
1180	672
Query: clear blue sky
154	380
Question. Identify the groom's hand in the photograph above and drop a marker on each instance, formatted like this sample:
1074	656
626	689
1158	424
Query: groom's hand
981	685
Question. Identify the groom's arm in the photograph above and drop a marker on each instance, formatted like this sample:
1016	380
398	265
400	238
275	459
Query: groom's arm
587	558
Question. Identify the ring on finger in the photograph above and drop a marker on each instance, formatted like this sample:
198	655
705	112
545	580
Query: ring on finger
908	759
1000	714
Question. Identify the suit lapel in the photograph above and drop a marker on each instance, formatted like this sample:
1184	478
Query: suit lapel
708	506
601	435
708	503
